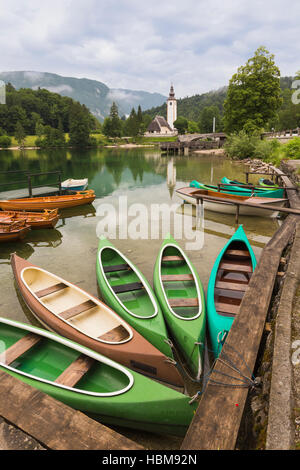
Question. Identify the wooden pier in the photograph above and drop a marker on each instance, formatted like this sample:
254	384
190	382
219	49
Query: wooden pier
217	420
31	189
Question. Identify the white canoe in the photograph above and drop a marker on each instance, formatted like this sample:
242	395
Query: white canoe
188	195
75	185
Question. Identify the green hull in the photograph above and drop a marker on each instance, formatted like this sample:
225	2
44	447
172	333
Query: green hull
238	190
110	392
261	190
186	324
138	307
220	324
266	184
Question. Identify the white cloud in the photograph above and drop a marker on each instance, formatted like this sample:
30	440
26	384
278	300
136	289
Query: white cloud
137	45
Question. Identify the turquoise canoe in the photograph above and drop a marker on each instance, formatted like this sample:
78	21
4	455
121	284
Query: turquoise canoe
180	293
228	282
126	290
261	190
90	382
238	190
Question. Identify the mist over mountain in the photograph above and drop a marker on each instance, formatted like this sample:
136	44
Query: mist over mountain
97	96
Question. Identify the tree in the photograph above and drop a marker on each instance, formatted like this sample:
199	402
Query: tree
253	96
181	124
79	132
20	135
207	116
116	124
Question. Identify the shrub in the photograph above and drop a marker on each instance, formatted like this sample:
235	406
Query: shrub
292	149
5	141
241	145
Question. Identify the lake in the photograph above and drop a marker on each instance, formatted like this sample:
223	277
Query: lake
134	190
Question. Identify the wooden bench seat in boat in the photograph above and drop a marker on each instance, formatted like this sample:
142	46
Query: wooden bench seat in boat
72	374
238	253
228	265
172	258
116	334
51	290
177	277
19	348
74	311
231	286
117	267
127	287
227	308
182	302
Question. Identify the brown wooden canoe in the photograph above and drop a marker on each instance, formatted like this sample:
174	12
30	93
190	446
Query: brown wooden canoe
49	202
71	312
36	220
13	231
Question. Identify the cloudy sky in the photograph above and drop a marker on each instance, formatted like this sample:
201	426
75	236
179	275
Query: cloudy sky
134	44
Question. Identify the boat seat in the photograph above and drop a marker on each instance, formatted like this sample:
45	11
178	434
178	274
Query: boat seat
74	311
117	267
238	253
182	302
228	265
72	374
116	334
228	309
172	258
50	290
20	347
231	286
127	287
177	277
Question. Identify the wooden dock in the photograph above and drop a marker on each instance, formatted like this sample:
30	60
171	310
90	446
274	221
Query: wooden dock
31	189
217	420
22	193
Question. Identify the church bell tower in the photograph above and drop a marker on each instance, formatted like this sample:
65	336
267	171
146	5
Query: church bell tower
171	108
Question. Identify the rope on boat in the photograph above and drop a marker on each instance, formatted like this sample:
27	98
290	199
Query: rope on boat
244	381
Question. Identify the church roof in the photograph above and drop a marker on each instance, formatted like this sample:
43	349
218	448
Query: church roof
157	124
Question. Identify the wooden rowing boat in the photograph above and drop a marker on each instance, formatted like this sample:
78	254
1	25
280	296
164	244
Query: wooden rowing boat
49	202
125	289
13	231
219	204
91	382
227	285
36	220
70	311
180	293
238	189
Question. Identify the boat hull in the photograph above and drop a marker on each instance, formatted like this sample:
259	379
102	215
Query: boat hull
227	286
127	398
50	202
136	353
36	220
239	190
187	324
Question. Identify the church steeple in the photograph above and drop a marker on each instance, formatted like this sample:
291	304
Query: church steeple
171	108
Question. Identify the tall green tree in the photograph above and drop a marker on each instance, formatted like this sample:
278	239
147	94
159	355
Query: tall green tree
79	126
253	96
20	135
181	124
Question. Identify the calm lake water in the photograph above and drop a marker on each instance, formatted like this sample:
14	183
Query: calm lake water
144	177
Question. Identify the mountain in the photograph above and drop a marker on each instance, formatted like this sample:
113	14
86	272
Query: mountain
97	96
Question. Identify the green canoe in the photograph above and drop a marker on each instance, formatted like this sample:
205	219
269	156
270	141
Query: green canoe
228	282
90	382
180	294
267	184
126	290
238	189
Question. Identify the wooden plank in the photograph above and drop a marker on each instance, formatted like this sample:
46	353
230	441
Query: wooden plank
116	334
117	267
127	287
227	308
234	267
217	420
54	424
231	286
19	348
71	376
182	302
74	311
51	290
238	253
177	277
172	258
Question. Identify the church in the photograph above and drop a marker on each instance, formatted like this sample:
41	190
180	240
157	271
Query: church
165	127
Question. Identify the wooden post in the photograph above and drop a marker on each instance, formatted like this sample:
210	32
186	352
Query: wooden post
237	214
29	186
247	177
